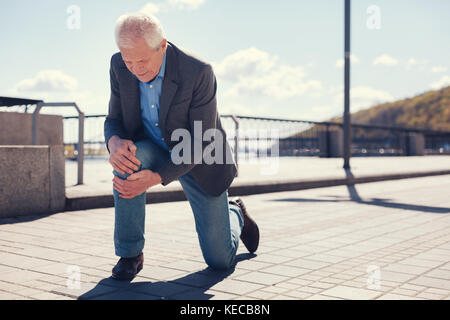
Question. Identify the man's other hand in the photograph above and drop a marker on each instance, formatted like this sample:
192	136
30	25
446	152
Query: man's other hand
136	184
123	155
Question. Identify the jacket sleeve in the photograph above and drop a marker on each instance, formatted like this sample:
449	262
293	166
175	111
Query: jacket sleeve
203	108
114	122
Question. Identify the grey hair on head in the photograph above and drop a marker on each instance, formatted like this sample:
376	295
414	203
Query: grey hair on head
132	26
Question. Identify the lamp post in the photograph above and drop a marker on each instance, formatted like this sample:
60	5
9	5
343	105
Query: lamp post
347	130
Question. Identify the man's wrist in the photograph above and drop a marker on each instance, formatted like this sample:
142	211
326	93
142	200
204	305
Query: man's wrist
159	179
112	140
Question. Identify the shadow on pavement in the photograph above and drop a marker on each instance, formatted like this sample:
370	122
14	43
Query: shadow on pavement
354	197
21	219
190	287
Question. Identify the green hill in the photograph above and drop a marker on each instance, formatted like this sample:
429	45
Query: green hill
430	110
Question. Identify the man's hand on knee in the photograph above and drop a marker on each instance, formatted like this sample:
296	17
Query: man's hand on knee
123	155
136	184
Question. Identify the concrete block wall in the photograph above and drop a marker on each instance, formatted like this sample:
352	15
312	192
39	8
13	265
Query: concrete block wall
32	180
15	129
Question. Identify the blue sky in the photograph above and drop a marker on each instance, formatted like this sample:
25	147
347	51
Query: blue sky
272	58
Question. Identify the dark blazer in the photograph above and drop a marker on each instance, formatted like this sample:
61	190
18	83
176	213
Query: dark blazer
188	95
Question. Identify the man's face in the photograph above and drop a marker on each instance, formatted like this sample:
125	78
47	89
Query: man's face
143	61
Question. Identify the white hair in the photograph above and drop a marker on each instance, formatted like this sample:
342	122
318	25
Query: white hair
132	26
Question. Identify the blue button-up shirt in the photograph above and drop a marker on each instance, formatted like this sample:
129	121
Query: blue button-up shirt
150	94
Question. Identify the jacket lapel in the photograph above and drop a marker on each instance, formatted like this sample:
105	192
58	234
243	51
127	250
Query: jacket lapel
133	100
169	87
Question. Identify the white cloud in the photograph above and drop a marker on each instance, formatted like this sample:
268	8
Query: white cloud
439	69
243	110
243	63
322	112
56	86
364	97
412	62
353	59
150	8
441	83
167	5
256	73
418	65
186	4
361	95
385	60
284	82
48	81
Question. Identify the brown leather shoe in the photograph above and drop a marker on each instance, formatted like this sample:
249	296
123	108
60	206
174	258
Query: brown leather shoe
250	231
128	268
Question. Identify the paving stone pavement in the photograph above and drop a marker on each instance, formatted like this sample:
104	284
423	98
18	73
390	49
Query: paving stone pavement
383	240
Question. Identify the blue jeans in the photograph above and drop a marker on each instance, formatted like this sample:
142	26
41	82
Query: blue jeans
218	223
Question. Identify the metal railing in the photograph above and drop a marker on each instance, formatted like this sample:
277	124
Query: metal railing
10	104
80	140
295	137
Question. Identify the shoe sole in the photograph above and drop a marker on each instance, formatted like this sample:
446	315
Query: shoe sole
116	277
251	249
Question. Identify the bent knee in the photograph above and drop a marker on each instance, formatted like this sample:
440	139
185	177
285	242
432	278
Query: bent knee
220	263
150	155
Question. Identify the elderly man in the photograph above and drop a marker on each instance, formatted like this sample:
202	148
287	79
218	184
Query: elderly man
157	89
